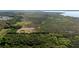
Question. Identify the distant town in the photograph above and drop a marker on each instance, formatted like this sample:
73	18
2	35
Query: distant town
5	17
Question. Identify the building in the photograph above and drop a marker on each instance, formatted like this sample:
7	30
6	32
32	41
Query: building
5	17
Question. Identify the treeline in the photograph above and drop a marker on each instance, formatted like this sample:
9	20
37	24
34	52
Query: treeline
38	40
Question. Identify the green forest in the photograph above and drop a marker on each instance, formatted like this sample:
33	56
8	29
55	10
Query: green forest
27	29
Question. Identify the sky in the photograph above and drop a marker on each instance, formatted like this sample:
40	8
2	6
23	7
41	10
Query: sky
39	4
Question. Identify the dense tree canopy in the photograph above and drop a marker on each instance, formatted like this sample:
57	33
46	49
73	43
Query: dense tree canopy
53	30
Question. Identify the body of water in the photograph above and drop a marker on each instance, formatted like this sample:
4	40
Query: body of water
71	13
68	13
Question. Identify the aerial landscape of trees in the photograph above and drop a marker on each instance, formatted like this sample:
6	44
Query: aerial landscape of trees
38	30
